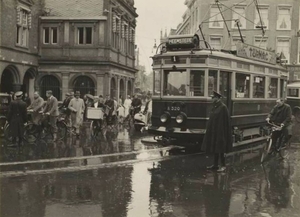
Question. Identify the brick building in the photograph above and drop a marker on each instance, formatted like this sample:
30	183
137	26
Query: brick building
19	44
74	45
280	18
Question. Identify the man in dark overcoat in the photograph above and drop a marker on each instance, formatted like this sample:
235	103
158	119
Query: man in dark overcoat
281	115
17	117
51	109
218	136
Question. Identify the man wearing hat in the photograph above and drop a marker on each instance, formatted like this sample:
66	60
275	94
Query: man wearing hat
17	117
37	107
218	136
65	108
77	108
127	104
51	109
110	104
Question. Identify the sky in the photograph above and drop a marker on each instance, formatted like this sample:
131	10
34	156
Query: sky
154	16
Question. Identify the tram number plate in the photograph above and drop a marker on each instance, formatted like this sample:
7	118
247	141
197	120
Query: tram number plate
173	108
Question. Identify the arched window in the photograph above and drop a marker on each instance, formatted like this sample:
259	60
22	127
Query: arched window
50	82
122	89
113	88
129	88
85	85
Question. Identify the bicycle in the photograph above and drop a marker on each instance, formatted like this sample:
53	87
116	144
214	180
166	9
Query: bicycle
44	130
281	148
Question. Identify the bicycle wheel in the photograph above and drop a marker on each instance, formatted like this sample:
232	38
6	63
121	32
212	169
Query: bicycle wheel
95	129
62	130
284	152
266	151
31	132
7	132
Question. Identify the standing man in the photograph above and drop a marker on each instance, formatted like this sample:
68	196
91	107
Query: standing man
66	110
148	111
127	104
136	105
37	107
218	137
51	109
17	117
109	107
77	108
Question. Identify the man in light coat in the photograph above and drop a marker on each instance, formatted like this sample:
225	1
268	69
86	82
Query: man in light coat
127	105
77	108
37	107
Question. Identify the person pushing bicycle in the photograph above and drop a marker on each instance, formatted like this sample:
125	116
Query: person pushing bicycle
281	115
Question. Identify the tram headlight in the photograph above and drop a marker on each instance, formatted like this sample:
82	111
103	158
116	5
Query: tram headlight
179	119
163	118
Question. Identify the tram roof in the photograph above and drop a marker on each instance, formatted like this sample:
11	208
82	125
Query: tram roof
219	54
296	84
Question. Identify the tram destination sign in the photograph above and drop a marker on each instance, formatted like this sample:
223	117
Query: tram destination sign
255	53
182	42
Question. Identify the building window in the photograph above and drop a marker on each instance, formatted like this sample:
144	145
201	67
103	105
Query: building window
284	18
242	85
84	35
50	35
215	42
259	87
116	28
215	20
239	14
23	25
264	14
283	48
260	42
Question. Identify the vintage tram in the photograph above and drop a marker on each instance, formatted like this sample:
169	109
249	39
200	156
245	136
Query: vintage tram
184	76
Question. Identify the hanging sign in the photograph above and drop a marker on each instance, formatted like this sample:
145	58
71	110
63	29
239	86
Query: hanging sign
255	53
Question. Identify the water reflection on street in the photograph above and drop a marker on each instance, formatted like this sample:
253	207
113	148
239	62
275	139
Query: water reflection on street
176	184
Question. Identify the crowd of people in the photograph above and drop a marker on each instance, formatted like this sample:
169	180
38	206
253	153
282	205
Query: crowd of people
73	108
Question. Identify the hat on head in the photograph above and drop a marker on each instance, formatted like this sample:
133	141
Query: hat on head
77	93
216	94
72	94
19	94
67	94
49	91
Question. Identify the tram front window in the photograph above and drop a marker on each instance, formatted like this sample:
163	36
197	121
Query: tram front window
212	81
156	83
293	92
174	83
197	83
259	87
242	85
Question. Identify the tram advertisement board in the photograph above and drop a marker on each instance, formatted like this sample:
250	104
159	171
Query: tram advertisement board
255	53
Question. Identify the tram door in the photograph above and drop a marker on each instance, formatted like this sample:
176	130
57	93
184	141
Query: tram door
224	88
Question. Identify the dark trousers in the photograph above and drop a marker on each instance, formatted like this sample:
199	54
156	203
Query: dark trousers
277	134
220	156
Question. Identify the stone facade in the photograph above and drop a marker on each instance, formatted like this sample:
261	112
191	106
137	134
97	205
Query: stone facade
76	45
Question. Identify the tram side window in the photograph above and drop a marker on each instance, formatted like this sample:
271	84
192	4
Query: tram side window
197	83
293	92
259	87
242	85
175	83
212	81
272	87
157	82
